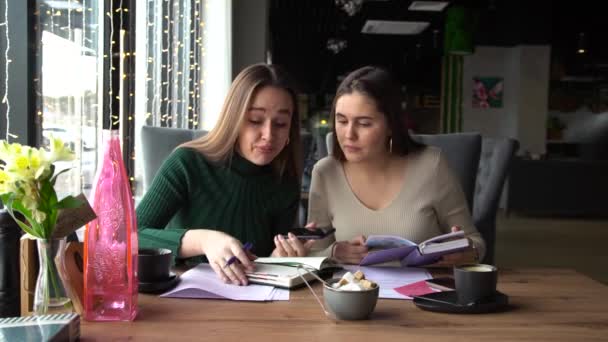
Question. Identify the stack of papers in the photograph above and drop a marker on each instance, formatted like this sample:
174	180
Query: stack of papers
202	282
390	278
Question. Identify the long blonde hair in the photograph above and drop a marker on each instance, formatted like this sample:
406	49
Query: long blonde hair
218	145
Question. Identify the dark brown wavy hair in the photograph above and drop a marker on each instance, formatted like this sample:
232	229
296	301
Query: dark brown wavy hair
377	84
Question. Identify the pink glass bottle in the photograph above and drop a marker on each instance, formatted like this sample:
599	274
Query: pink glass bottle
110	246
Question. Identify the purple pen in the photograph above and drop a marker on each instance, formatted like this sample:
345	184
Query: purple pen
247	247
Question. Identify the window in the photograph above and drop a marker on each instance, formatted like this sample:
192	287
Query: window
70	55
186	45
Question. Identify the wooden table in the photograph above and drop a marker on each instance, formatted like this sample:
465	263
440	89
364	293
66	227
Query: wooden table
547	304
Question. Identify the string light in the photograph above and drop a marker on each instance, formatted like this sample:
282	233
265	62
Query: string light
175	61
121	55
69	28
52	101
83	103
110	15
166	39
5	99
198	25
186	66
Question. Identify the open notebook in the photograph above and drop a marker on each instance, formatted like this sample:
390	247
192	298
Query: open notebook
284	272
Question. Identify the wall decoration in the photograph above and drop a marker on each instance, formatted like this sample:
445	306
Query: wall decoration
487	92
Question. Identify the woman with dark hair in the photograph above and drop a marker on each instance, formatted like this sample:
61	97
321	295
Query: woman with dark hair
378	180
238	183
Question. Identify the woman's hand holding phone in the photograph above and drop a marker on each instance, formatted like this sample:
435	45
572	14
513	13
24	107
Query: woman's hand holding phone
291	246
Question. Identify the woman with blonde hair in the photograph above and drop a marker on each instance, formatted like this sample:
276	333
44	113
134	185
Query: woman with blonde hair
238	183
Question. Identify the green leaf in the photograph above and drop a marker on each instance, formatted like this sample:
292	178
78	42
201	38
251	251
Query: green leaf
6	198
35	226
47	194
24	226
50	222
31	229
69	202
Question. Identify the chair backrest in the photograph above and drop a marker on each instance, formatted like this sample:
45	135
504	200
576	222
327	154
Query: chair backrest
494	165
329	142
158	143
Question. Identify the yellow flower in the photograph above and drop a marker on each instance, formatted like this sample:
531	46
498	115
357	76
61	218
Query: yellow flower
22	163
6	184
25	176
15	148
59	152
38	163
4	150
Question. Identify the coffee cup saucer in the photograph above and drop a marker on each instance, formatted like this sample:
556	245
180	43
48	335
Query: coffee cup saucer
159	286
447	302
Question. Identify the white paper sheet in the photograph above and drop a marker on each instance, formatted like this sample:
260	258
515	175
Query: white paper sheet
279	294
388	278
202	282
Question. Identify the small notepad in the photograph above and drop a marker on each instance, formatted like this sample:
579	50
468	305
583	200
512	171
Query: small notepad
284	272
59	327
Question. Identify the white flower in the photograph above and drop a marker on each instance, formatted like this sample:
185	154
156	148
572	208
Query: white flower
25	182
6	183
59	152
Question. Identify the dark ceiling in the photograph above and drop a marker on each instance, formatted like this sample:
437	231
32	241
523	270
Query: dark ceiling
571	21
300	30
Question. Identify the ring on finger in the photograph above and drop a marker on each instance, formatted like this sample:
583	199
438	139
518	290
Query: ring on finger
220	271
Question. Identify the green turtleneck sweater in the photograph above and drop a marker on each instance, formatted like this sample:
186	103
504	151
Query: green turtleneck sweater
244	200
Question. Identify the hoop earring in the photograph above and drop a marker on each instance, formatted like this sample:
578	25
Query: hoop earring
390	145
287	143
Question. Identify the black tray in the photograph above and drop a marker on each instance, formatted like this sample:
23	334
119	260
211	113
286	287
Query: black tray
160	286
447	302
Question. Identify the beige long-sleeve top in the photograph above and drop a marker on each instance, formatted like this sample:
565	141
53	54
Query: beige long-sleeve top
430	202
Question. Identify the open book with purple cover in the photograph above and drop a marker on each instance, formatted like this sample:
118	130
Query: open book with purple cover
385	248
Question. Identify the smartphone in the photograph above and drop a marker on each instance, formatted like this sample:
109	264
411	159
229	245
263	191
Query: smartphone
443	284
314	234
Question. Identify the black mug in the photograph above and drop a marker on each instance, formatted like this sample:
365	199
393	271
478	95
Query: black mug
475	283
154	264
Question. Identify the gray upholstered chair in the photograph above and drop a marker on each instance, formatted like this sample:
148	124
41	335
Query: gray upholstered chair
157	143
494	165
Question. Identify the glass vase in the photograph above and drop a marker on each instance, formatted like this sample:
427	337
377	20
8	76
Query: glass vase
50	296
110	246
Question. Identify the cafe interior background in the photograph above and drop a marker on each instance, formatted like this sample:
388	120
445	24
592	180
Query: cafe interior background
73	67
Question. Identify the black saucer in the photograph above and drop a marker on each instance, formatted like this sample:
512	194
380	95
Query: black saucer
159	286
447	302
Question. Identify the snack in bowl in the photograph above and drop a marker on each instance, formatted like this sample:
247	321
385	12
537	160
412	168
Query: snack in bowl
354	282
352	296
